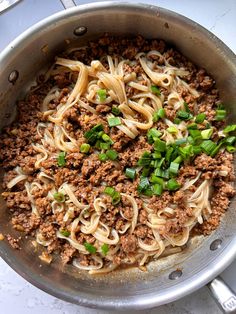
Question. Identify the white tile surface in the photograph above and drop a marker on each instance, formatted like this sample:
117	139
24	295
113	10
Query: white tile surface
18	296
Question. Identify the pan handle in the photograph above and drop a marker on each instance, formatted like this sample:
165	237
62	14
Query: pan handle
223	295
68	3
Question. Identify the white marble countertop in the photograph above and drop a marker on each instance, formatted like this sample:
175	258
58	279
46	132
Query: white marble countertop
17	295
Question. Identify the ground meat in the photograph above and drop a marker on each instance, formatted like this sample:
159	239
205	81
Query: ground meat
14	242
128	243
158	203
67	253
141	231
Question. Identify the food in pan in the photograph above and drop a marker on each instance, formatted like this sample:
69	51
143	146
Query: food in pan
118	156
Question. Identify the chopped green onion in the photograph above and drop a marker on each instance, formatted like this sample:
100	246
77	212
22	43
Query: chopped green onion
106	138
109	190
156	155
230	140
208	146
65	233
172	185
229	128
186	152
105	146
186	107
115	110
145	172
102	157
181	141
183	115
169	153
105	249
90	248
157	189
196	135
172	130
145	159
161	113
93	134
158	114
200	118
148	191
206	134
102	94
152	135
230	149
220	114
112	154
61	159
84	148
98	144
177	121
59	197
159	146
192	126
143	184
216	149
155	90
191	140
113	193
115	198
174	168
162	173
114	121
130	173
178	160
196	150
155	179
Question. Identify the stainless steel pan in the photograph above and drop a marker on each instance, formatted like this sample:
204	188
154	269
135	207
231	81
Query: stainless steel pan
169	278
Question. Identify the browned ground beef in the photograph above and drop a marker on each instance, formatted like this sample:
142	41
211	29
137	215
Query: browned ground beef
86	171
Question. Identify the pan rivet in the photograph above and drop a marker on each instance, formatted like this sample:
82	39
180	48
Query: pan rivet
176	274
13	76
79	31
216	244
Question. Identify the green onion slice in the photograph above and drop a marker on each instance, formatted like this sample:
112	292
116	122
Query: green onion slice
113	193
90	248
102	157
84	148
130	173
93	134
61	159
102	94
174	167
65	233
208	146
172	130
155	90
200	118
206	134
157	189
112	154
114	121
229	128
115	110
59	197
172	185
183	115
220	114
105	249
